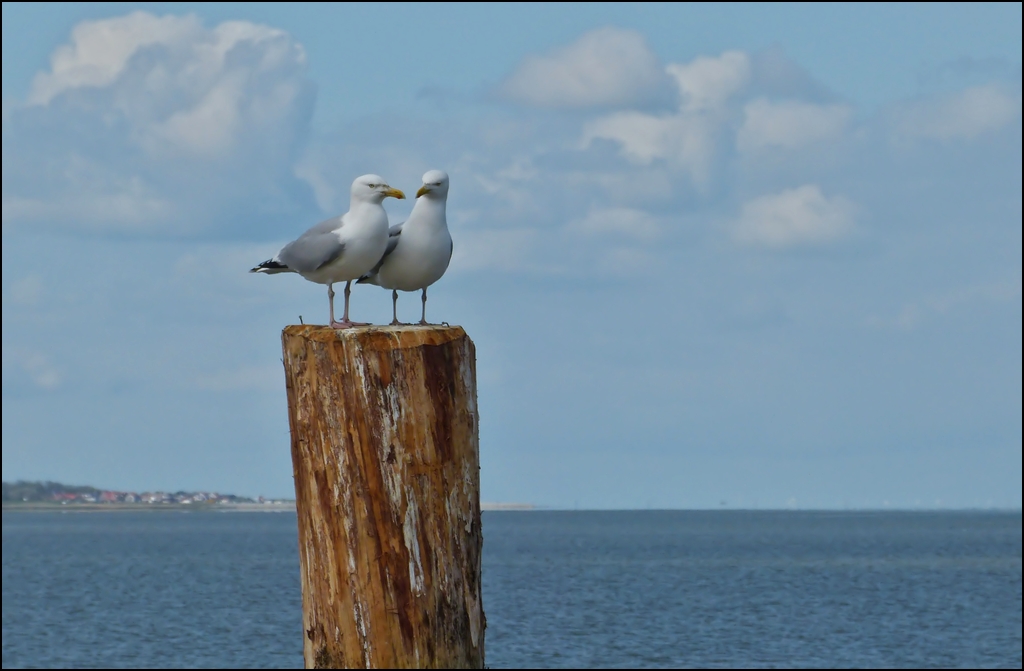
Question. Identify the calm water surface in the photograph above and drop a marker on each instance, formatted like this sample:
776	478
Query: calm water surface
561	589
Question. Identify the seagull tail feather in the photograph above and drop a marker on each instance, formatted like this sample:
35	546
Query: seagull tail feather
368	278
271	267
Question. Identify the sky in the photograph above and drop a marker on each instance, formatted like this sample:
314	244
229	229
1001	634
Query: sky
711	256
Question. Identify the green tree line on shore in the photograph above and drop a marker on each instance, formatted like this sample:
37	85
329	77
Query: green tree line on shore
23	490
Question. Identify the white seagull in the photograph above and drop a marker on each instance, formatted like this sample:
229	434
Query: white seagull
343	248
419	249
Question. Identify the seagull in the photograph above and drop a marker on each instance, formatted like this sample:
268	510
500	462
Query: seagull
419	249
343	248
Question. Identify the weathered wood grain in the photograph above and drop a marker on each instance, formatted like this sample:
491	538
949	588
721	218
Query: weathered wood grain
387	485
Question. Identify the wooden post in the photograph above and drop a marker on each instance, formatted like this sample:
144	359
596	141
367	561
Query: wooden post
387	485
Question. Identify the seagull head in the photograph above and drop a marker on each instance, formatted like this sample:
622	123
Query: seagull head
373	189
435	185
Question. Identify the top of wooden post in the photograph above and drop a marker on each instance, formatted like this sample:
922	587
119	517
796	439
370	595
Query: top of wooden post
379	337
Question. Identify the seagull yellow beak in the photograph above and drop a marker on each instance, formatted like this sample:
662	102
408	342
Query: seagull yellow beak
423	190
394	193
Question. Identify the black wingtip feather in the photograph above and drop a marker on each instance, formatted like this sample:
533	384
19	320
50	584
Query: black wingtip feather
269	266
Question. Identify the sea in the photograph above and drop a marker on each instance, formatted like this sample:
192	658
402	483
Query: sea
560	589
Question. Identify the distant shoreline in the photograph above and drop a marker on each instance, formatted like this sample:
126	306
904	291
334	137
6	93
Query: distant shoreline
120	507
45	507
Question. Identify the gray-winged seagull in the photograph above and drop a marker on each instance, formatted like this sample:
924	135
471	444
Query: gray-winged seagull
419	249
343	248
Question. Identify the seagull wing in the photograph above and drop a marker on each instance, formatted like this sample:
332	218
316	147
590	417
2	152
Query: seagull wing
393	234
315	248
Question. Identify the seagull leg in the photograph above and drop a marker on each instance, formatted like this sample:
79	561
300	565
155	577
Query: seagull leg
423	316
345	321
394	308
348	293
330	299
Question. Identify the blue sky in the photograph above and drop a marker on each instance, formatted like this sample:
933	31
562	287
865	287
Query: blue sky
760	256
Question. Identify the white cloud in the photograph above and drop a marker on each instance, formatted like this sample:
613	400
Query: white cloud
802	216
789	124
685	141
715	113
707	82
607	67
99	51
181	87
146	123
645	137
688	138
965	114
